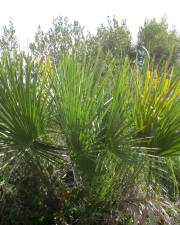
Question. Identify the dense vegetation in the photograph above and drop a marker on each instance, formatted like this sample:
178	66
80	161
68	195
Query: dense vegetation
89	126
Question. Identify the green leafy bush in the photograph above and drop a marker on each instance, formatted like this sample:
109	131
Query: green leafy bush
85	144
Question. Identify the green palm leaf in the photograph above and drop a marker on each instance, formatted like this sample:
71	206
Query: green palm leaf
24	105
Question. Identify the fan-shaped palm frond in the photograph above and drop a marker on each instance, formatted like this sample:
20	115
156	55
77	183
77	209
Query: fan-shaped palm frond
155	107
24	106
91	110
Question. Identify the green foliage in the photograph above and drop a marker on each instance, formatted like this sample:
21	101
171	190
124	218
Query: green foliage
24	108
114	136
155	109
114	130
33	196
162	44
8	39
65	37
87	137
114	39
62	38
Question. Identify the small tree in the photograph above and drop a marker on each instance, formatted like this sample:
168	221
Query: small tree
162	44
8	39
62	38
114	38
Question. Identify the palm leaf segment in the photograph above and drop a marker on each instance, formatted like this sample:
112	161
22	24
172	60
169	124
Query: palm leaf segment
24	104
156	109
